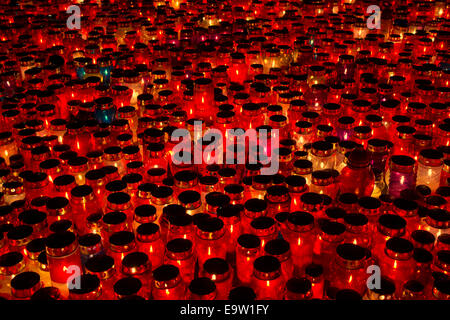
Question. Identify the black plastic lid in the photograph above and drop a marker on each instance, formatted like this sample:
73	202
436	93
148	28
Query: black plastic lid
255	205
25	280
116	186
332	227
20	232
277	247
267	264
217	199
127	286
147	229
349	251
81	191
356	219
89	283
422	255
387	287
399	245
216	266
89	239
165	272
423	236
121	238
114	217
299	285
10	259
249	241
179	245
210	224
348	294
242	294
392	221
99	263
262	223
135	259
314	270
202	286
348	198
46	294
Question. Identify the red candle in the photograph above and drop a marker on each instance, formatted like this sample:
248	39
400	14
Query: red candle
167	283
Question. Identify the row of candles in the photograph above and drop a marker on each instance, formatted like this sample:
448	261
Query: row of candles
90	193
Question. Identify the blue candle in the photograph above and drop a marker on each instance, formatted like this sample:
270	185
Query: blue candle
105	110
105	68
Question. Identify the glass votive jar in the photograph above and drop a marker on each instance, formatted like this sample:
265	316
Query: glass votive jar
25	284
298	289
304	168
113	157
344	128
408	210
11	264
121	201
13	191
121	243
128	287
180	253
253	208
230	215
63	184
168	211
103	267
357	230
437	222
265	228
84	202
63	258
429	168
322	155
323	182
7	146
248	249
220	272
330	235
401	174
303	133
386	291
90	288
161	196
267	279
388	226
314	273
280	249
300	234
181	226
202	289
167	283
35	219
36	184
138	265
278	200
149	241
210	242
441	289
423	239
145	213
348	271
357	177
397	261
90	246
47	294
312	202
18	238
78	167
